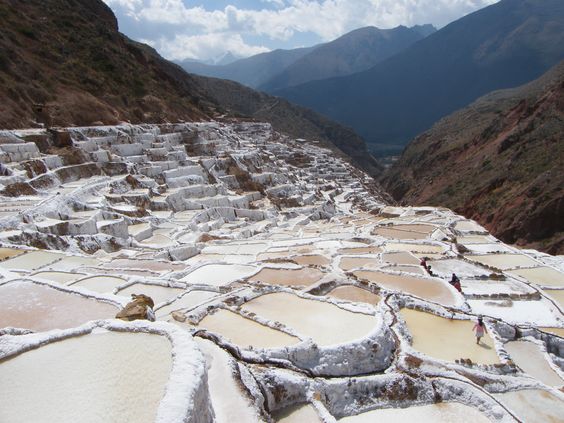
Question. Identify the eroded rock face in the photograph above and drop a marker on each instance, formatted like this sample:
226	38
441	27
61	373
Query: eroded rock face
141	308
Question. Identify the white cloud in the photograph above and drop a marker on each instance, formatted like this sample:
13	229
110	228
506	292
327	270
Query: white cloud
328	19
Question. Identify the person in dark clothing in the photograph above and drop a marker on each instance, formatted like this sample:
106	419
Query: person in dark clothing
455	281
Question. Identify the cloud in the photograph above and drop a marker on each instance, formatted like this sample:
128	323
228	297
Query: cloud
327	19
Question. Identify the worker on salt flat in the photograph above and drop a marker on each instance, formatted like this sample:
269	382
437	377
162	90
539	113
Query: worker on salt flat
480	329
454	281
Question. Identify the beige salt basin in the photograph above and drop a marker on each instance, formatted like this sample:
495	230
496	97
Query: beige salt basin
416	270
69	263
349	263
312	259
187	301
504	261
543	276
354	294
395	233
557	295
414	248
301	413
158	293
447	339
428	289
99	377
64	278
288	277
6	253
229	400
24	304
324	323
554	331
30	261
360	250
100	283
400	258
529	357
467	226
219	274
533	405
245	332
447	412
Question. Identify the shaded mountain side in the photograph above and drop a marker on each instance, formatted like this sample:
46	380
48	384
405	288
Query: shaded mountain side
288	118
64	63
501	46
252	71
499	161
354	52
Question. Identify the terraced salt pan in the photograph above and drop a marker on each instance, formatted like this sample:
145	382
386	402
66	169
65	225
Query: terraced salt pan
428	289
555	331
529	357
6	253
245	332
462	268
417	270
31	261
468	226
360	250
533	405
504	261
219	274
111	376
557	295
151	265
70	263
100	283
242	248
158	293
488	287
447	339
24	304
475	239
393	233
301	413
354	294
64	278
188	300
349	263
537	312
158	240
414	248
324	323
447	412
543	276
288	277
488	248
312	259
229	401
400	258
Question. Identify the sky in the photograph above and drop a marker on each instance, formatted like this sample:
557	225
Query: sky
206	30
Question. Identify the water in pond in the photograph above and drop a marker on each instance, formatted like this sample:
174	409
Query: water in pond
151	265
428	289
555	331
6	253
301	413
400	258
100	283
415	248
447	339
30	261
557	295
25	304
354	294
110	377
158	293
314	259
417	270
325	323
229	401
533	405
68	264
395	233
245	332
288	277
529	357
349	263
360	250
447	412
504	261
467	226
60	277
240	248
544	276
188	300
219	274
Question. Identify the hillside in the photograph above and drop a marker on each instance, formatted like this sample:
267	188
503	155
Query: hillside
354	52
252	71
498	161
501	46
63	63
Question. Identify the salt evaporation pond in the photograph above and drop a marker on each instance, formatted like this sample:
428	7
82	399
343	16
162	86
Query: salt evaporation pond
312	259
288	277
354	294
67	264
447	412
229	401
188	300
468	226
158	293
349	263
428	289
529	357
400	258
219	274
537	312
100	283
6	253
111	377
395	233
447	339
24	304
30	261
360	250
414	248
301	413
504	261
62	278
533	405
543	276
557	295
323	322
245	332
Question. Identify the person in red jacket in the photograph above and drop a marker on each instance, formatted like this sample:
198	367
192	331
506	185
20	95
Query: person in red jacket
454	281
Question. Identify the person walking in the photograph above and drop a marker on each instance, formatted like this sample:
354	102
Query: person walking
480	329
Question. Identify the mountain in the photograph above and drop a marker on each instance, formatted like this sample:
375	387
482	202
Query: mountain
64	63
353	52
499	161
501	46
252	71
